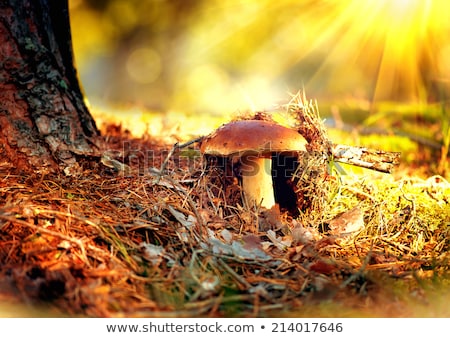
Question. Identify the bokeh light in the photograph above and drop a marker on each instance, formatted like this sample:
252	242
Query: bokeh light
143	65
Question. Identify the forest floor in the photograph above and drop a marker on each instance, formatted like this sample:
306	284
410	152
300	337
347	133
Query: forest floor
146	231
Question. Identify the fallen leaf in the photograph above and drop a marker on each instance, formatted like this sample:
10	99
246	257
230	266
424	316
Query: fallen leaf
280	243
347	223
152	253
226	235
322	266
186	221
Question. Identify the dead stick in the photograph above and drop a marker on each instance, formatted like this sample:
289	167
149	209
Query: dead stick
378	160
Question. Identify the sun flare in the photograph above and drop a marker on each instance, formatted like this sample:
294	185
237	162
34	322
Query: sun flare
384	49
399	42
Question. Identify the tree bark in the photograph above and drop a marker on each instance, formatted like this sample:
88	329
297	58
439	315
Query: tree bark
44	122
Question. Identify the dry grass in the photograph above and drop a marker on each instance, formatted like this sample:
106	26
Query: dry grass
133	241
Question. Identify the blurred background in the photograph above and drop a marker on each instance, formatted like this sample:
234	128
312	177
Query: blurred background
376	63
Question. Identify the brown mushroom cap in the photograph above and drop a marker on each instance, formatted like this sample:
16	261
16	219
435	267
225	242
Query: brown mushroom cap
252	137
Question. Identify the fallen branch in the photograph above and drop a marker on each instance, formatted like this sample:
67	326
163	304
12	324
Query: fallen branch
378	160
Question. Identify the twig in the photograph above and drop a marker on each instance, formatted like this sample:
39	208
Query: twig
163	166
175	147
378	160
188	143
238	278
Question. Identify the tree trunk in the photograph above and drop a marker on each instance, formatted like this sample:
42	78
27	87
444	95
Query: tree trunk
44	123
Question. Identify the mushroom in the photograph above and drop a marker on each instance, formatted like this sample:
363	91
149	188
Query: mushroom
253	143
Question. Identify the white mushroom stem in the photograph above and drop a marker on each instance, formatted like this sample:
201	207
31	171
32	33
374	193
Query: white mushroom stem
257	181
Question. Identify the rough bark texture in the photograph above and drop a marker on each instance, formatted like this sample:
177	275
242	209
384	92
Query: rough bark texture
44	123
